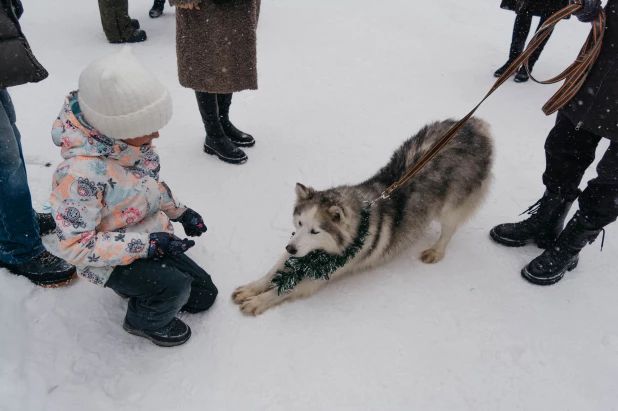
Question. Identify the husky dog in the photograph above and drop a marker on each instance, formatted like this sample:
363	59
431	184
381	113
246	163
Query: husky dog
449	189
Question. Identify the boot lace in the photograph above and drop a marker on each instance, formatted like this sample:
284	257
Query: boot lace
533	212
45	258
534	208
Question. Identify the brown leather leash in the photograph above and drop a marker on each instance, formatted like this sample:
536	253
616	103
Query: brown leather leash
574	77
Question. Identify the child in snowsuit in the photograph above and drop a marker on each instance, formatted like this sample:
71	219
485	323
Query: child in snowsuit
112	212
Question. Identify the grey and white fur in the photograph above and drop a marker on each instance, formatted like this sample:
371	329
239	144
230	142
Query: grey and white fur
448	189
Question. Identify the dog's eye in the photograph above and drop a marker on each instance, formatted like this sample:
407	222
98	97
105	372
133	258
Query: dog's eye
300	223
315	232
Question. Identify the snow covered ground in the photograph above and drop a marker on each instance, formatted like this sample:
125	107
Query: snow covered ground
342	83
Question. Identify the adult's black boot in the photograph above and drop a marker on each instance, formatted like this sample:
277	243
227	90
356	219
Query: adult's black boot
137	36
157	9
502	69
217	142
45	270
542	227
239	138
522	75
563	255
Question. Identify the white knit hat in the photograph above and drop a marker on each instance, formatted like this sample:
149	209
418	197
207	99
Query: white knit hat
121	98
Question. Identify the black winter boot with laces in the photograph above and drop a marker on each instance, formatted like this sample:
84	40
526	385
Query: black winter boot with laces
45	270
542	227
563	254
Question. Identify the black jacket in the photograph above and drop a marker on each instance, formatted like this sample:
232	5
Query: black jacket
595	105
544	8
17	63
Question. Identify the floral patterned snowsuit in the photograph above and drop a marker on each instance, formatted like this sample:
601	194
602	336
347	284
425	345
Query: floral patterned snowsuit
106	197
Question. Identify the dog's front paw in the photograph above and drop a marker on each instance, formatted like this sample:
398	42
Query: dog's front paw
244	293
255	305
432	256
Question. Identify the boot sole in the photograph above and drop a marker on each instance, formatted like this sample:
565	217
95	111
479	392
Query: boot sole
551	280
42	283
496	75
514	243
213	152
243	145
156	342
56	285
499	75
128	41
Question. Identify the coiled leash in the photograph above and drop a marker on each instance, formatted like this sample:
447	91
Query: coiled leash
574	77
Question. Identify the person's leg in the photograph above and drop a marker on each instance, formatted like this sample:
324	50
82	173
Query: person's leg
534	57
19	232
599	201
217	142
522	75
568	153
568	158
156	291
203	291
157	9
598	207
115	20
521	28
239	138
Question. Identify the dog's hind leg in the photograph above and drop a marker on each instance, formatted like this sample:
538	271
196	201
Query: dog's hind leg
436	253
451	219
259	286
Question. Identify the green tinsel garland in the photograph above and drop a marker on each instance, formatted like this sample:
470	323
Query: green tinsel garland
318	264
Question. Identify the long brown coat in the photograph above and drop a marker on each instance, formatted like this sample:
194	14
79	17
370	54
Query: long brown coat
216	45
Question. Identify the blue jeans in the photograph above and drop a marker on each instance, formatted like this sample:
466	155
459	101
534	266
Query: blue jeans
19	230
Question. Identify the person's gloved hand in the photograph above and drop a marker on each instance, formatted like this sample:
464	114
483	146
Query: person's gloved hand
589	12
192	222
166	244
18	7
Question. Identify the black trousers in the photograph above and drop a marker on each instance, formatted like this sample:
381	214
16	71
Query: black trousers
158	289
521	29
115	19
568	154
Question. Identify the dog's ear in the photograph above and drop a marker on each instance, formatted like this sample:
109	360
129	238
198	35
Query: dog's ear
336	213
304	193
